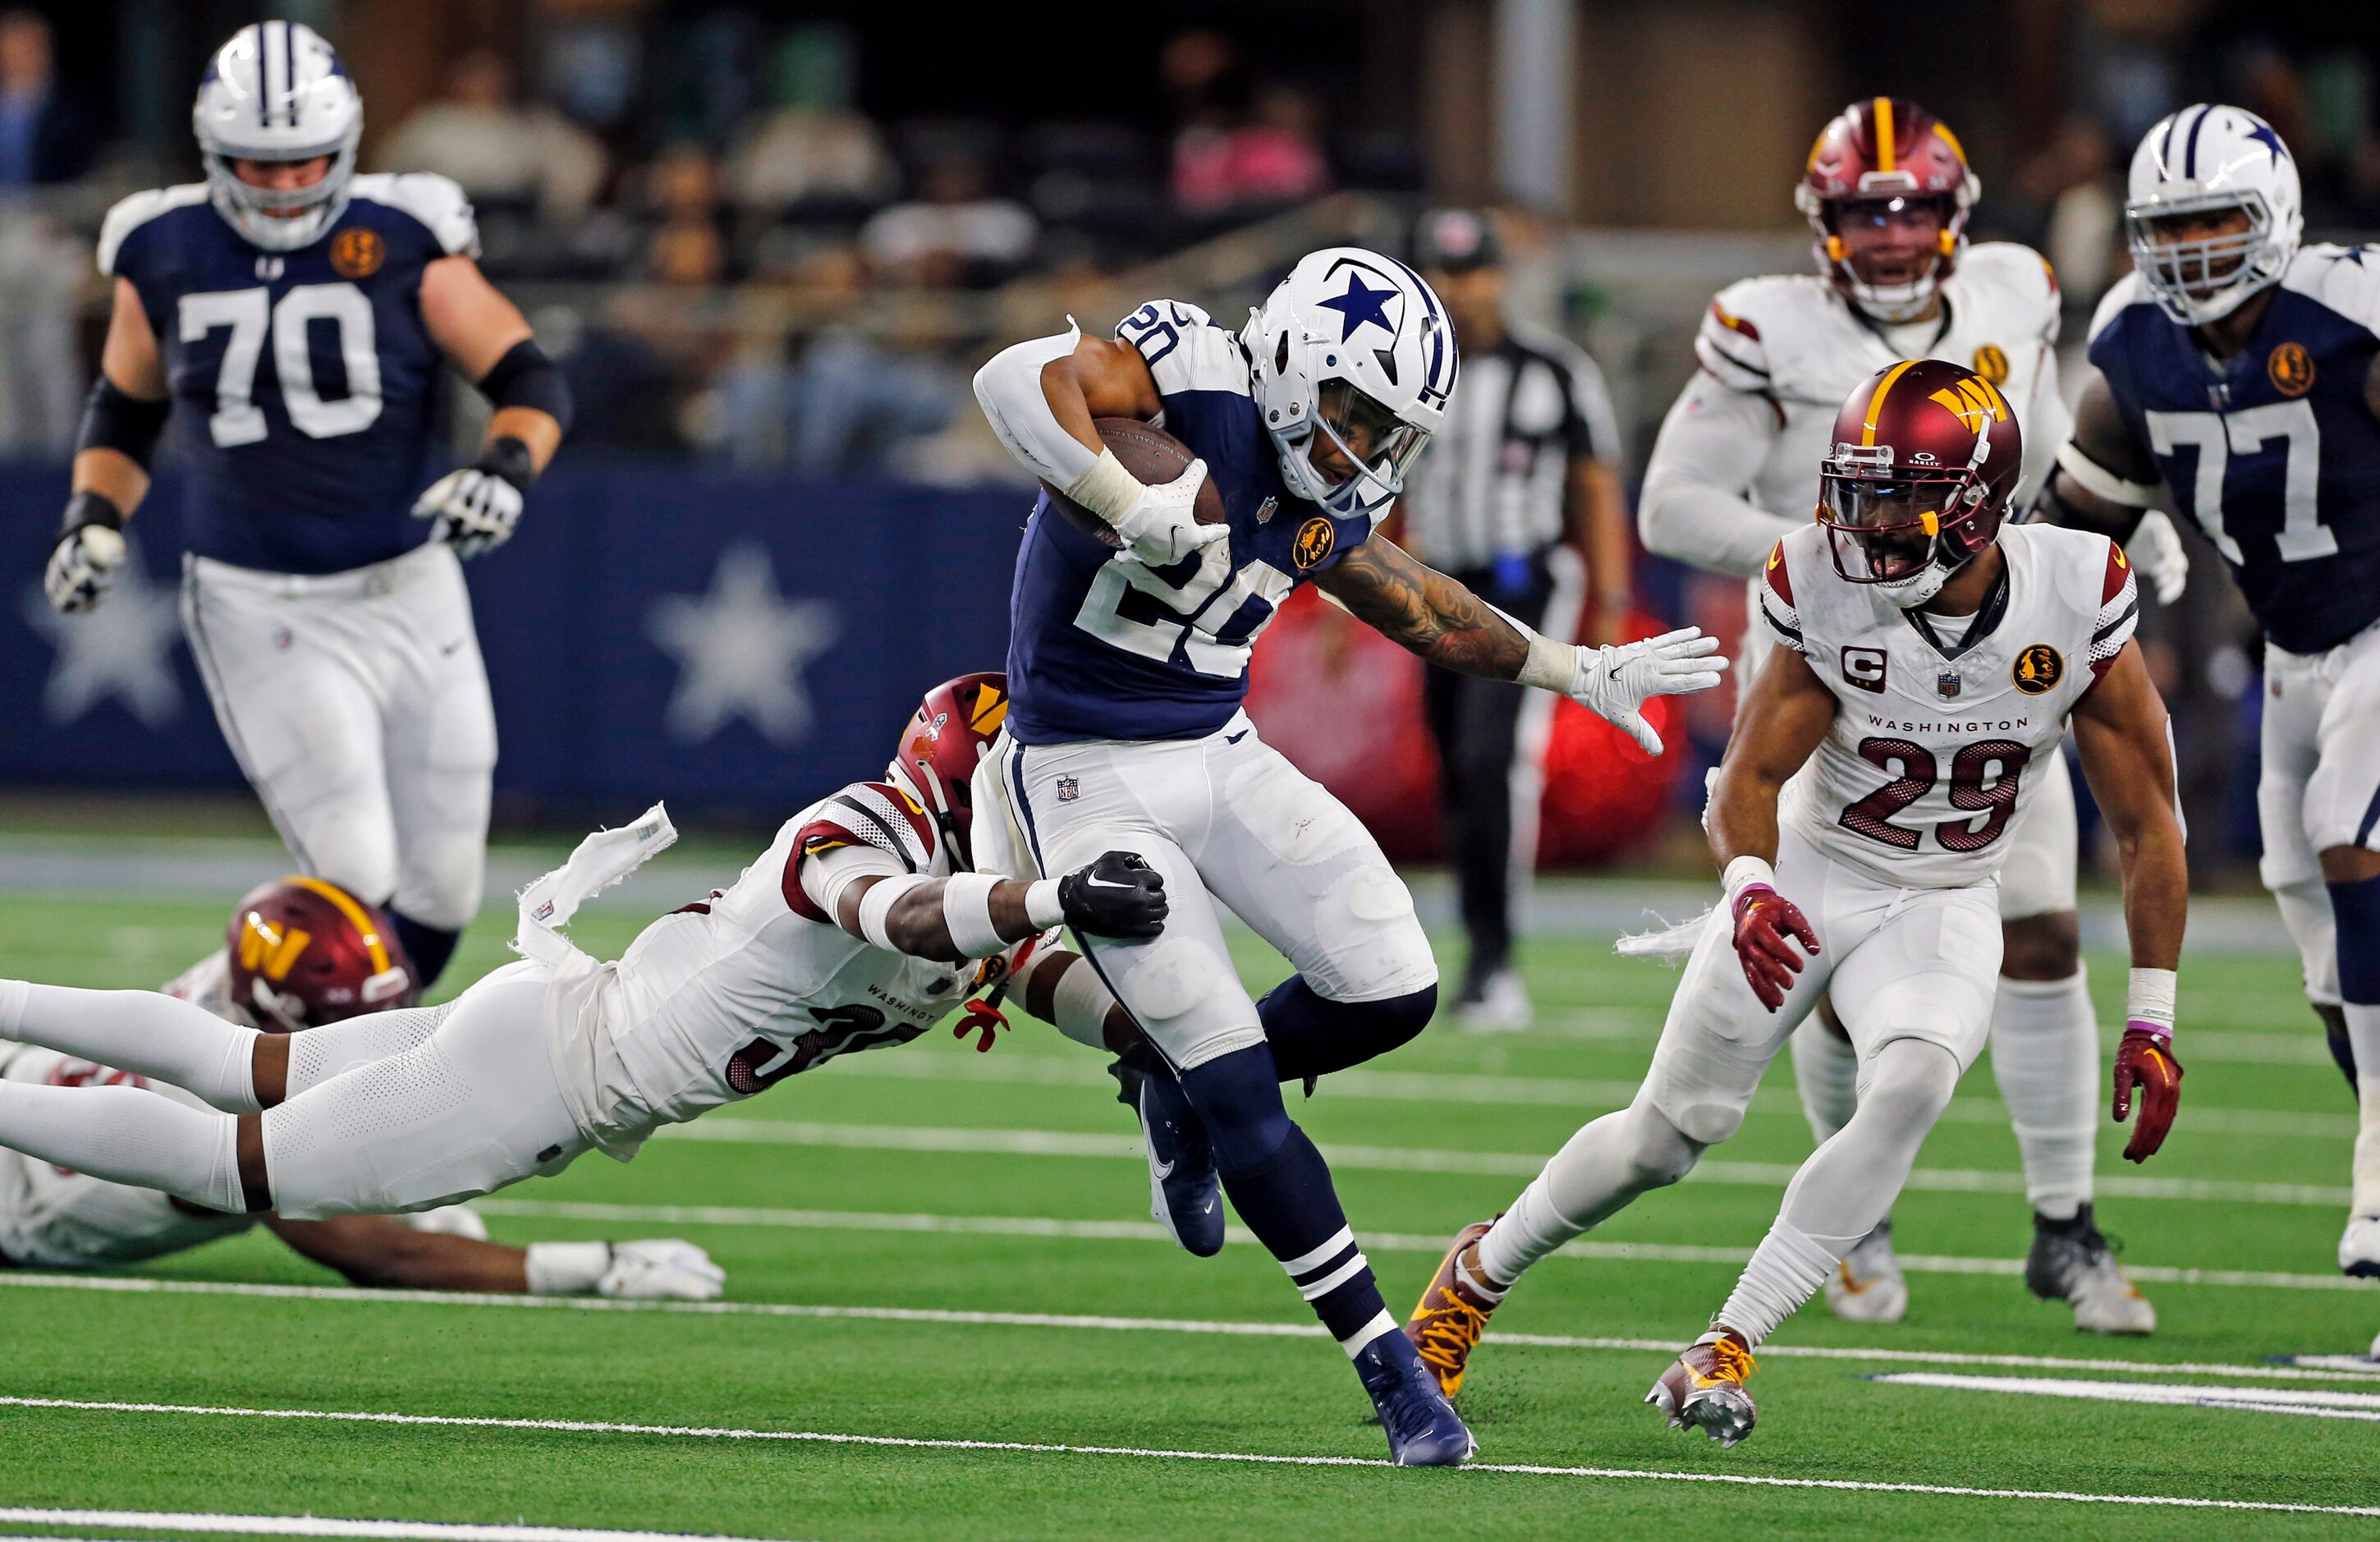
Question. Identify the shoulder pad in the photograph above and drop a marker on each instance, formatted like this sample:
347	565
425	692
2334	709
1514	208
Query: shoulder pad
1766	335
1184	349
129	214
873	814
2016	273
2342	279
438	203
2129	291
2120	608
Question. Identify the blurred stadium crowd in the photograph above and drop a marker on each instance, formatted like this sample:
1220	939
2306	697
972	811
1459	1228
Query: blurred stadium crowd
739	252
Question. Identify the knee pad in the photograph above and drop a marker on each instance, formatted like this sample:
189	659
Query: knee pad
2305	912
1237	1096
1169	980
1175	989
1701	1095
352	848
1908	1078
440	879
1373	944
1659	1151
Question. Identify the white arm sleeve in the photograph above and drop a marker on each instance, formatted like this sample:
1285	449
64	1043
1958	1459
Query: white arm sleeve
825	875
1693	507
2044	425
1009	388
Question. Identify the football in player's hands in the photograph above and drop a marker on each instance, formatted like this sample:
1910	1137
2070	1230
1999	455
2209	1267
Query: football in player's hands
1116	895
1179	512
476	508
82	565
2144	1062
661	1269
1766	923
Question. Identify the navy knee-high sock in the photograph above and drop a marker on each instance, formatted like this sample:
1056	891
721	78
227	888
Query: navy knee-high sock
1281	1186
427	947
1312	1036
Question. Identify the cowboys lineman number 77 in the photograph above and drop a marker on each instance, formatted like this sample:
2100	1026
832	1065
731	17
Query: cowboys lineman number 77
290	317
1128	660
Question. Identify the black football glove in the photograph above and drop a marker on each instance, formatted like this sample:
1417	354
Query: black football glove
1117	894
476	508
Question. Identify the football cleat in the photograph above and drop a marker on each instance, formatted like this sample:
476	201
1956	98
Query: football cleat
1704	1389
1451	1314
1186	1192
2359	1246
1422	1428
1868	1286
2070	1261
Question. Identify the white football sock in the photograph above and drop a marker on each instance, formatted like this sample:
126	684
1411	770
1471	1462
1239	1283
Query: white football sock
141	1031
1846	1187
2363	1033
1826	1071
1591	1179
319	1054
2046	1058
127	1134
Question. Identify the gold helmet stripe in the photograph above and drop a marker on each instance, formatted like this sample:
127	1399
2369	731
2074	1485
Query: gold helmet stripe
354	913
1884	133
1875	402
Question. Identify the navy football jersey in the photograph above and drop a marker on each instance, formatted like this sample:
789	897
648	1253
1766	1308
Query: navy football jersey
1100	646
2276	456
302	381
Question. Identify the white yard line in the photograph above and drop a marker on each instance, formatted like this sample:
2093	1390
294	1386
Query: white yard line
327	1526
2257	1399
727	1129
2324	1369
1583	1096
1031	1447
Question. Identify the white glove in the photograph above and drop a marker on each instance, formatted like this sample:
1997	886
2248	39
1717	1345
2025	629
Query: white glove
1612	683
475	510
1160	528
2156	550
661	1269
82	565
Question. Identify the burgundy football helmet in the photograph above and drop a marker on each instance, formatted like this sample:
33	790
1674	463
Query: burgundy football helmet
304	952
1879	157
940	748
1925	454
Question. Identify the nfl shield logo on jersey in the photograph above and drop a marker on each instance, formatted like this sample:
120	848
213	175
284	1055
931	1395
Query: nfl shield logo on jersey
1069	789
1949	683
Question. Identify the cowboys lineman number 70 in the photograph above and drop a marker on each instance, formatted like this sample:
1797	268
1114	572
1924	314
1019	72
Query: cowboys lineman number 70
290	317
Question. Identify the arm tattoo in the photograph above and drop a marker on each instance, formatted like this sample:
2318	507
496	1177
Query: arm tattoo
1424	611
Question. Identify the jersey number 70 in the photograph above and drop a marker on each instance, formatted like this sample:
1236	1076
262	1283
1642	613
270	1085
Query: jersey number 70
2003	760
250	314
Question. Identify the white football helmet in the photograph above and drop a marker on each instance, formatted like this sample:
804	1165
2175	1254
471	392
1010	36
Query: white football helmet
276	91
1356	343
2198	160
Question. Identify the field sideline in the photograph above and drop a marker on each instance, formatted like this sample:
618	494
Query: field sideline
949	1315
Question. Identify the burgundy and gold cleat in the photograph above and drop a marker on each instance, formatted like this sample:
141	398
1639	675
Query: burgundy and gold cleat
1446	1323
1703	1390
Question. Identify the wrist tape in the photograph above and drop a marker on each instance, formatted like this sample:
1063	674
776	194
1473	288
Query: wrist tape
2149	1001
1744	873
1106	489
1042	906
967	911
566	1268
875	908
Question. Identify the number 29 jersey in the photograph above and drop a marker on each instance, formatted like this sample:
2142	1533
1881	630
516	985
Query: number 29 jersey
1936	742
302	382
1103	647
2275	455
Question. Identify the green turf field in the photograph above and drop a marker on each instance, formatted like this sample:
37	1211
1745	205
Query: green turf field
981	1296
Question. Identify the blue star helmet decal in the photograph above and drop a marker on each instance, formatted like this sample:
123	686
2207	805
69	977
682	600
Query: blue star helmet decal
2263	134
1360	307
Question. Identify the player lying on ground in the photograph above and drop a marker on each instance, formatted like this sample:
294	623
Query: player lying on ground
856	928
1928	659
1132	622
1887	193
2243	373
294	321
303	952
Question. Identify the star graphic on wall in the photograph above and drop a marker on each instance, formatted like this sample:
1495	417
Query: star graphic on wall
1361	306
123	649
740	649
2263	134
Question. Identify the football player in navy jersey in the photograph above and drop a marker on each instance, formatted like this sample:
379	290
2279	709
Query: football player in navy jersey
2242	373
1128	662
297	315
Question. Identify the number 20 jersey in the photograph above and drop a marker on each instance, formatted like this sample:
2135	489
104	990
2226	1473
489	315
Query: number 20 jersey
1101	646
1936	747
302	382
2275	455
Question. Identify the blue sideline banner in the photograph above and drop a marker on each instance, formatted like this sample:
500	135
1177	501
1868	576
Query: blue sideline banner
654	631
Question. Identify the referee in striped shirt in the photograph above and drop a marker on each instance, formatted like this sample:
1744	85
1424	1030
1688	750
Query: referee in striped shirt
1518	496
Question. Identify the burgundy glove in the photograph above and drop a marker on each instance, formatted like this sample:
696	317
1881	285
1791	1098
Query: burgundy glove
1764	919
2144	1059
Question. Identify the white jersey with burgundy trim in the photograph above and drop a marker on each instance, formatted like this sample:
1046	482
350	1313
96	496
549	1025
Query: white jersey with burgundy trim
726	998
1925	764
52	1217
1793	339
